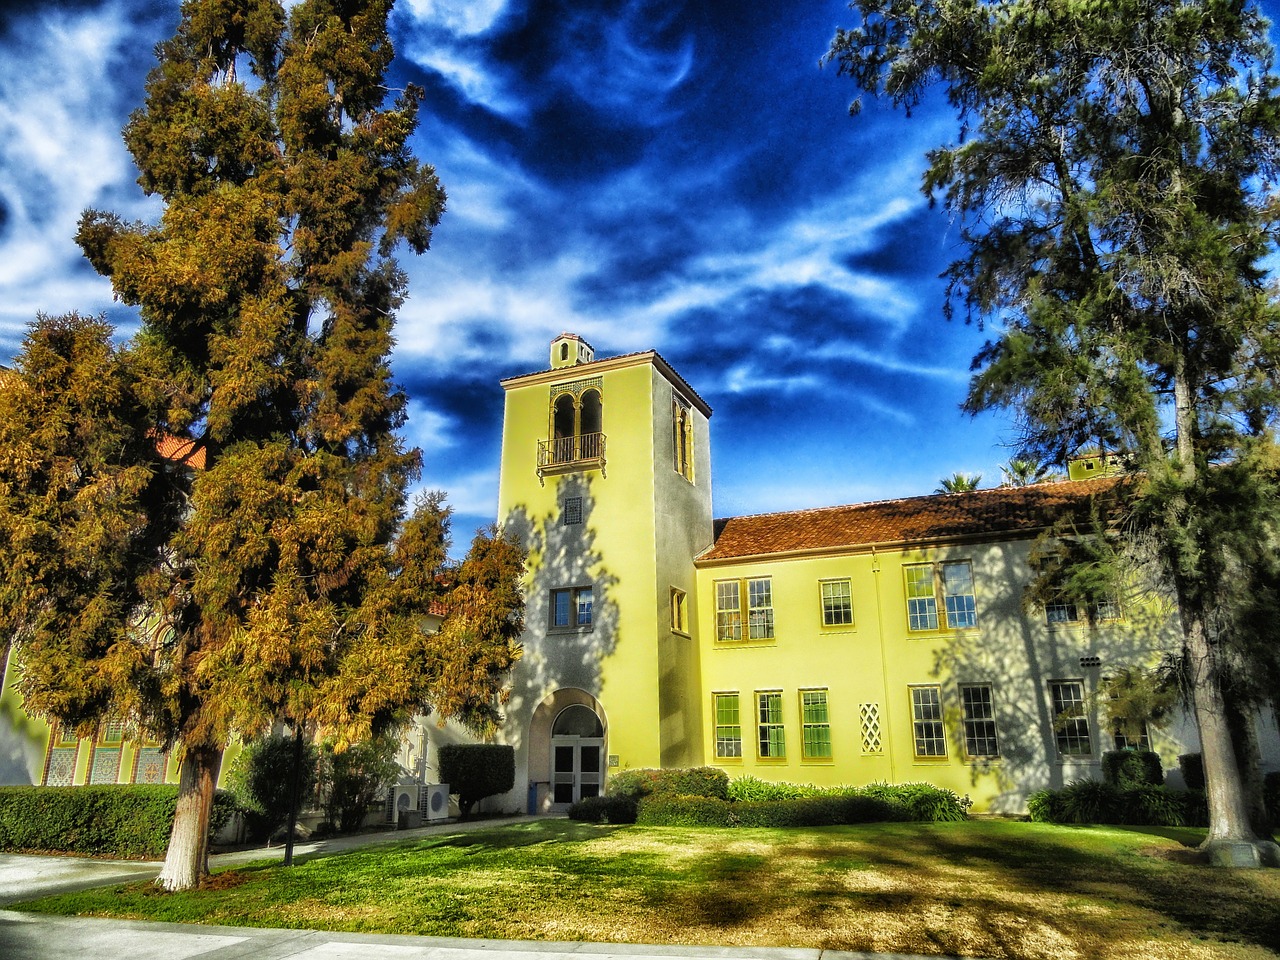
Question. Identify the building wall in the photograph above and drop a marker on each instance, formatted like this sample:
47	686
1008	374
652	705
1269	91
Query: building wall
870	667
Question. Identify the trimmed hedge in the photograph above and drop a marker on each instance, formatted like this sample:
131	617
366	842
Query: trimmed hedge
1092	801
1132	768
1192	767
693	782
822	808
125	821
607	809
474	771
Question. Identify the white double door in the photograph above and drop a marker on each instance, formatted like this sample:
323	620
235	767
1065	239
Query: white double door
577	768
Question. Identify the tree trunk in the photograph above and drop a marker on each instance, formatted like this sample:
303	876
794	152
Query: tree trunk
187	861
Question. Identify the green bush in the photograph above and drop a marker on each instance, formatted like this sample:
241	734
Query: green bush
353	778
1195	804
613	808
261	778
822	807
748	788
1090	801
474	771
1152	805
682	810
1192	767
1044	806
692	782
111	820
1127	769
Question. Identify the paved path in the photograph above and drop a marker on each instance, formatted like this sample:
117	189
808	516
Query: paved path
27	936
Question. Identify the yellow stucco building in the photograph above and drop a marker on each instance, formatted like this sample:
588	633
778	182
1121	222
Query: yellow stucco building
885	641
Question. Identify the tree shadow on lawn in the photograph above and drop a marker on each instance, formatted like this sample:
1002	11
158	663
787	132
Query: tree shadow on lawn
1229	905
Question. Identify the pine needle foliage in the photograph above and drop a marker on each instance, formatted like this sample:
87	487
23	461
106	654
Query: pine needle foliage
1113	177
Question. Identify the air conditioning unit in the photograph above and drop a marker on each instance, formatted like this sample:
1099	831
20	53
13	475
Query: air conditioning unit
434	802
400	798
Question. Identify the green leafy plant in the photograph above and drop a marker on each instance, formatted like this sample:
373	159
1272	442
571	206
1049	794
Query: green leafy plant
607	809
474	771
261	778
1132	768
352	778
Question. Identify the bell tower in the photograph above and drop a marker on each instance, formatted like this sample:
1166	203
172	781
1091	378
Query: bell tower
605	478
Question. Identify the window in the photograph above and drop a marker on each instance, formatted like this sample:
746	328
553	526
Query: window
954	581
772	737
926	717
571	607
815	725
572	512
1069	611
728	725
682	436
679	611
749	601
837	603
869	723
979	720
1123	742
576	438
1070	724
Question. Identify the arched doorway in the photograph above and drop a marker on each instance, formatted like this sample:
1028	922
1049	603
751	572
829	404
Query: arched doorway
577	755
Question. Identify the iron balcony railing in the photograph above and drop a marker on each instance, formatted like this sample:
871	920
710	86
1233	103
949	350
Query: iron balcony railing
571	453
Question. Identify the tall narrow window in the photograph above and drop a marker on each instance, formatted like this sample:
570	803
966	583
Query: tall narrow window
957	590
591	426
728	725
815	725
772	737
682	435
837	603
926	717
760	608
979	720
1071	726
728	611
679	611
922	603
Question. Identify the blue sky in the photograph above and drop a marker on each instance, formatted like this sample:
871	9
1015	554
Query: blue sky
666	175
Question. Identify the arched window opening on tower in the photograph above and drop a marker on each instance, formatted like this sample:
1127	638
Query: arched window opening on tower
682	436
577	429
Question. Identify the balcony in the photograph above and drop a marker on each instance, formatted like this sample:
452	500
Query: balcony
567	454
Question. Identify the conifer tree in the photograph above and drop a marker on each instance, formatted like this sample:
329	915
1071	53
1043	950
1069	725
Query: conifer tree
1114	180
266	571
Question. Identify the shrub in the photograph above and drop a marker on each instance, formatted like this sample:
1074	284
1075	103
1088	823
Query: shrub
692	782
676	810
261	777
1045	806
614	808
1192	767
353	778
748	788
1132	768
1154	805
122	820
474	771
921	801
1091	801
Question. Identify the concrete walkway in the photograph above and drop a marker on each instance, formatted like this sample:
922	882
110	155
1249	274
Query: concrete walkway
26	936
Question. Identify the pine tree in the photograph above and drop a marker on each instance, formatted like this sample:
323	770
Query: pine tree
271	574
1113	180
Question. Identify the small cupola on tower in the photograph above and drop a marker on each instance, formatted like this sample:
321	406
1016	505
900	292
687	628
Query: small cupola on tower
569	349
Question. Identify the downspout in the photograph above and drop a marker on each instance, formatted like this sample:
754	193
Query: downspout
886	726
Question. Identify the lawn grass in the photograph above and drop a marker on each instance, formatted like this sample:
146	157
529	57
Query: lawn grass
979	888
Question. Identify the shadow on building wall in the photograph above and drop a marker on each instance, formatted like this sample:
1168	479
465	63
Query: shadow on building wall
1018	653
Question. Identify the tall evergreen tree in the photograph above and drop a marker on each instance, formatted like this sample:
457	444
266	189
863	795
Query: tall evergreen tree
269	572
1114	180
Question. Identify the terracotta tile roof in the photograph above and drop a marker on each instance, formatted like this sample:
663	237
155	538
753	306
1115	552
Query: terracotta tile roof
181	450
980	514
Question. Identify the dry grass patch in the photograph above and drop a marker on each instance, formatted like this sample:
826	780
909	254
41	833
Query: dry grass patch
987	889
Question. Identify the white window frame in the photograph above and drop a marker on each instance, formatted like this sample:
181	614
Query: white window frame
1070	721
940	595
768	723
727	736
744	610
833	603
979	725
928	728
